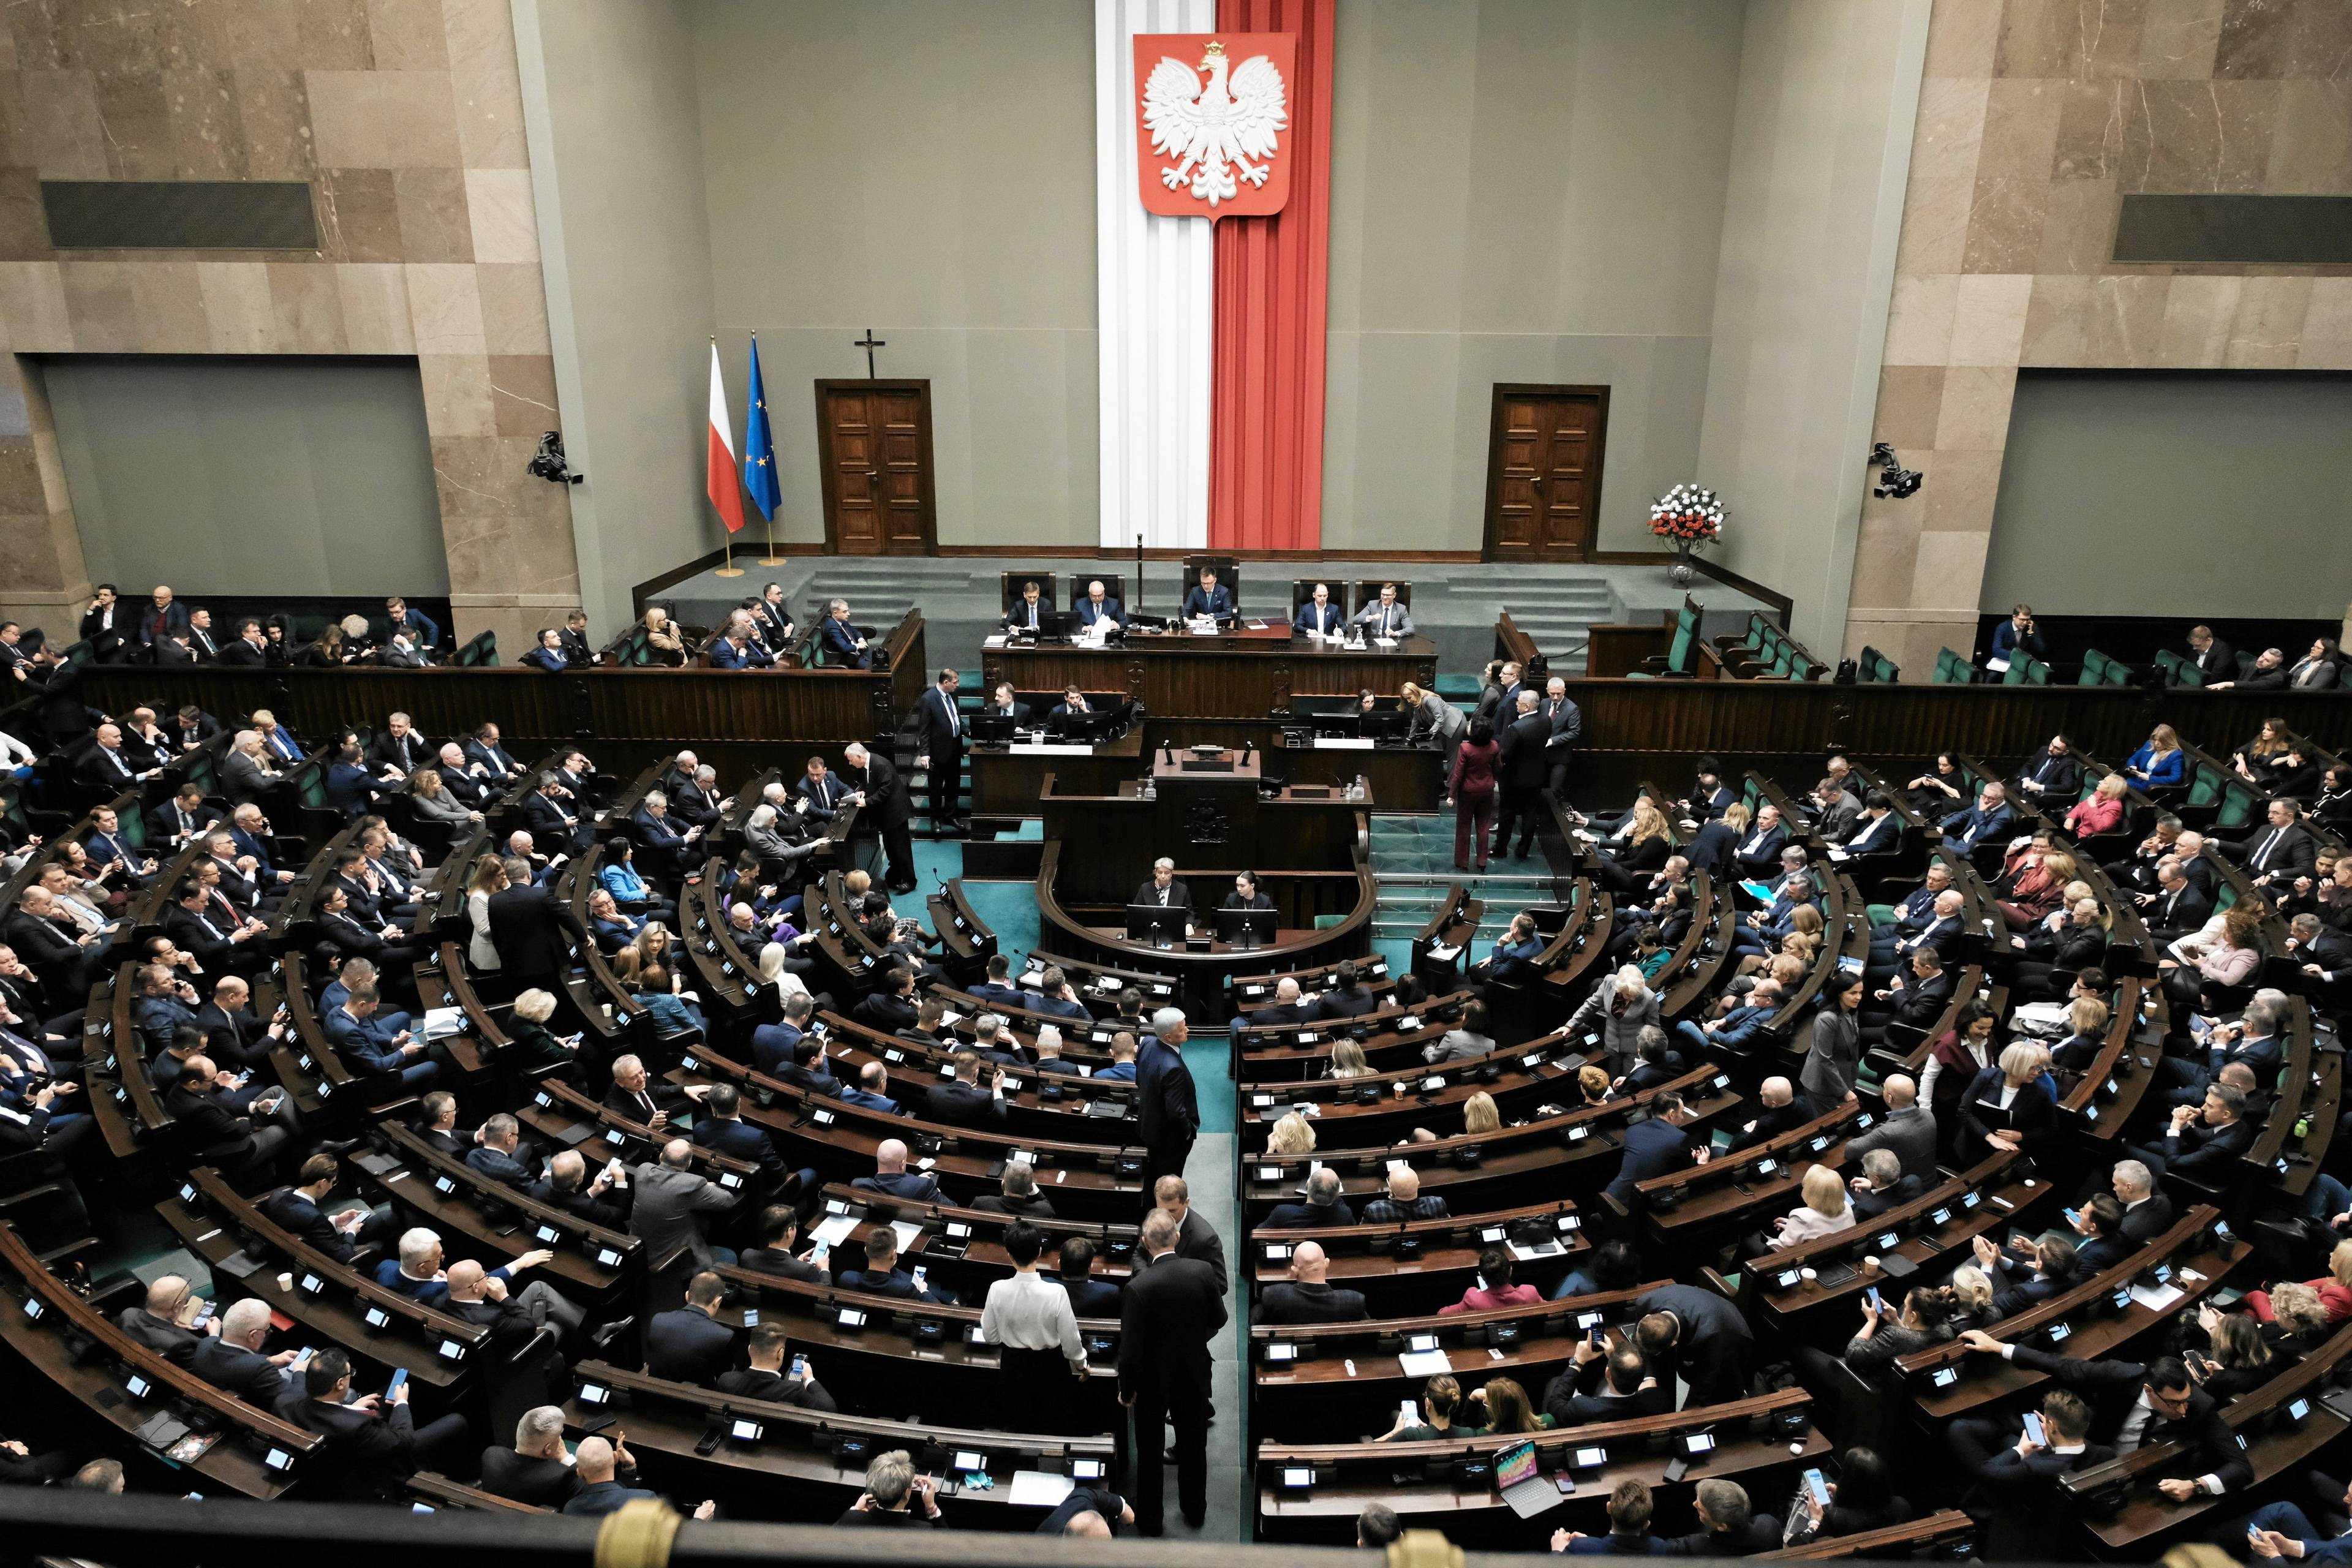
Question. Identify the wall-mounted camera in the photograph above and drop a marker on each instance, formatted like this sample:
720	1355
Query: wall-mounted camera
1894	480
549	463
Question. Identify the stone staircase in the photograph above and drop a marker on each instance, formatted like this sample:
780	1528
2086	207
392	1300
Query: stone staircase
1414	859
1555	612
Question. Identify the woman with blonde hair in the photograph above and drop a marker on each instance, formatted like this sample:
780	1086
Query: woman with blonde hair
1592	1082
2009	1105
528	1036
1293	1135
1972	1294
1506	1409
1480	1116
1348	1060
2101	810
668	647
2332	1290
488	876
1826	1210
2157	765
435	803
653	947
2087	1016
1624	861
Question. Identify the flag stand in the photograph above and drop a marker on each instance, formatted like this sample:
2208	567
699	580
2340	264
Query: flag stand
771	558
730	569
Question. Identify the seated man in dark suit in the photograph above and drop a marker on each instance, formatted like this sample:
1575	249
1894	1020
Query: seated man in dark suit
370	1444
538	1469
1019	1194
688	1345
1090	1296
1307	1296
1728	1526
764	1379
1324	1205
499	1154
1784	1106
566	1187
601	1492
1319	615
883	1276
1652	1148
1164	892
1097	604
1029	612
168	1321
297	1210
1055	994
1208	597
233	1359
2204	1143
998	990
1882	1185
722	1129
842	642
1606	1386
961	1101
892	1178
780	1228
809	1068
1352	998
892	1007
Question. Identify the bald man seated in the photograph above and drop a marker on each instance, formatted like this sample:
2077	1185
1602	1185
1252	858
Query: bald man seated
1307	1296
599	1493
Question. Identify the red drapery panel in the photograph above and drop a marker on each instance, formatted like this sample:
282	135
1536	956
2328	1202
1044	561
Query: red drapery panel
1265	414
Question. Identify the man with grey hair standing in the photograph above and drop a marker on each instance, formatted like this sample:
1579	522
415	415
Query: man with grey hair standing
1168	1104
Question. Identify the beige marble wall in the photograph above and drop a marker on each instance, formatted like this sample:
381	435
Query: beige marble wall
406	116
2036	118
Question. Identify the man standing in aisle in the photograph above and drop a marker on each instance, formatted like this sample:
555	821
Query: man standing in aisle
938	742
887	810
1173	1310
1167	1102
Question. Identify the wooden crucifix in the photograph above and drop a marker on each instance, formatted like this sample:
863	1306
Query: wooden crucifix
870	343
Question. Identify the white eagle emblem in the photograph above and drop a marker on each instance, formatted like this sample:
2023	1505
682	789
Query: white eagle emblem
1214	131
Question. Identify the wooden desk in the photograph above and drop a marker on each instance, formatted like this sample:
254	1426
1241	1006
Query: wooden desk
1241	674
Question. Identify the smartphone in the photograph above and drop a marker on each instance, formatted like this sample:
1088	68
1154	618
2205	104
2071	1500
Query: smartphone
2033	1432
399	1381
302	1360
613	1166
1594	1334
204	1314
1875	1304
800	1369
1817	1489
710	1441
2074	1216
921	1274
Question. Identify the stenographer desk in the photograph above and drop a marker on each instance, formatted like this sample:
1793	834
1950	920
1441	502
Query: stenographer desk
1009	780
1212	816
1251	671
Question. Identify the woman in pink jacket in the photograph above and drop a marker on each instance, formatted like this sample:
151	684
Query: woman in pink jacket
1493	1290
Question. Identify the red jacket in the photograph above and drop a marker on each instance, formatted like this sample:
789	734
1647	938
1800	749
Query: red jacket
1473	769
1476	1301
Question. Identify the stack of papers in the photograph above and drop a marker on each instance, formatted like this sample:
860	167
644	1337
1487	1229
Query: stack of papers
833	1229
1424	1363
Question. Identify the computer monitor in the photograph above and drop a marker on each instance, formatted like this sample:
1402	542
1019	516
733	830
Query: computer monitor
1062	624
992	727
1155	924
1091	725
1245	928
1347	723
1383	723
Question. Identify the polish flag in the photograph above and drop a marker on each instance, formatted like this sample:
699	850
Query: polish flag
724	483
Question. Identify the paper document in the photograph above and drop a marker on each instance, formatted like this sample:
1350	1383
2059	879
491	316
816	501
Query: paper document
1424	1363
1385	642
996	641
908	1231
2156	1298
1038	1488
833	1229
442	1022
1343	743
1540	1249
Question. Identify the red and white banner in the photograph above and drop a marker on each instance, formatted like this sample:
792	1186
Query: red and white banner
1212	123
724	481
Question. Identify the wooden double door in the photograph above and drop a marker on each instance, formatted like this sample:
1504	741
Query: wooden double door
1543	472
874	454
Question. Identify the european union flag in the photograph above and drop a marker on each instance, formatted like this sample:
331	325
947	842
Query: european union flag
759	447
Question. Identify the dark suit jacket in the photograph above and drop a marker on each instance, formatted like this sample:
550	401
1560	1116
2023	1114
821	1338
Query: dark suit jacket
1652	1148
294	1211
1524	765
547	1483
688	1346
1179	896
886	793
527	927
2294	855
1310	1216
936	732
2112	1387
1285	1303
244	1372
961	1104
1170	1309
1168	1105
170	1340
1712	1354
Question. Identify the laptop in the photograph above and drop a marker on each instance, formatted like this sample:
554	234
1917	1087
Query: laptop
1523	1483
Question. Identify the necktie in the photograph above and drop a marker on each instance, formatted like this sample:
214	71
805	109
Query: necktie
120	765
1384	621
2263	855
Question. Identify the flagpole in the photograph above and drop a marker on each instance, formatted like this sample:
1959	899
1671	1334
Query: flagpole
727	567
771	558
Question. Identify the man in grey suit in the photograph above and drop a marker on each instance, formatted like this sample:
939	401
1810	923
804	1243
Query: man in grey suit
669	1198
1907	1132
1383	617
